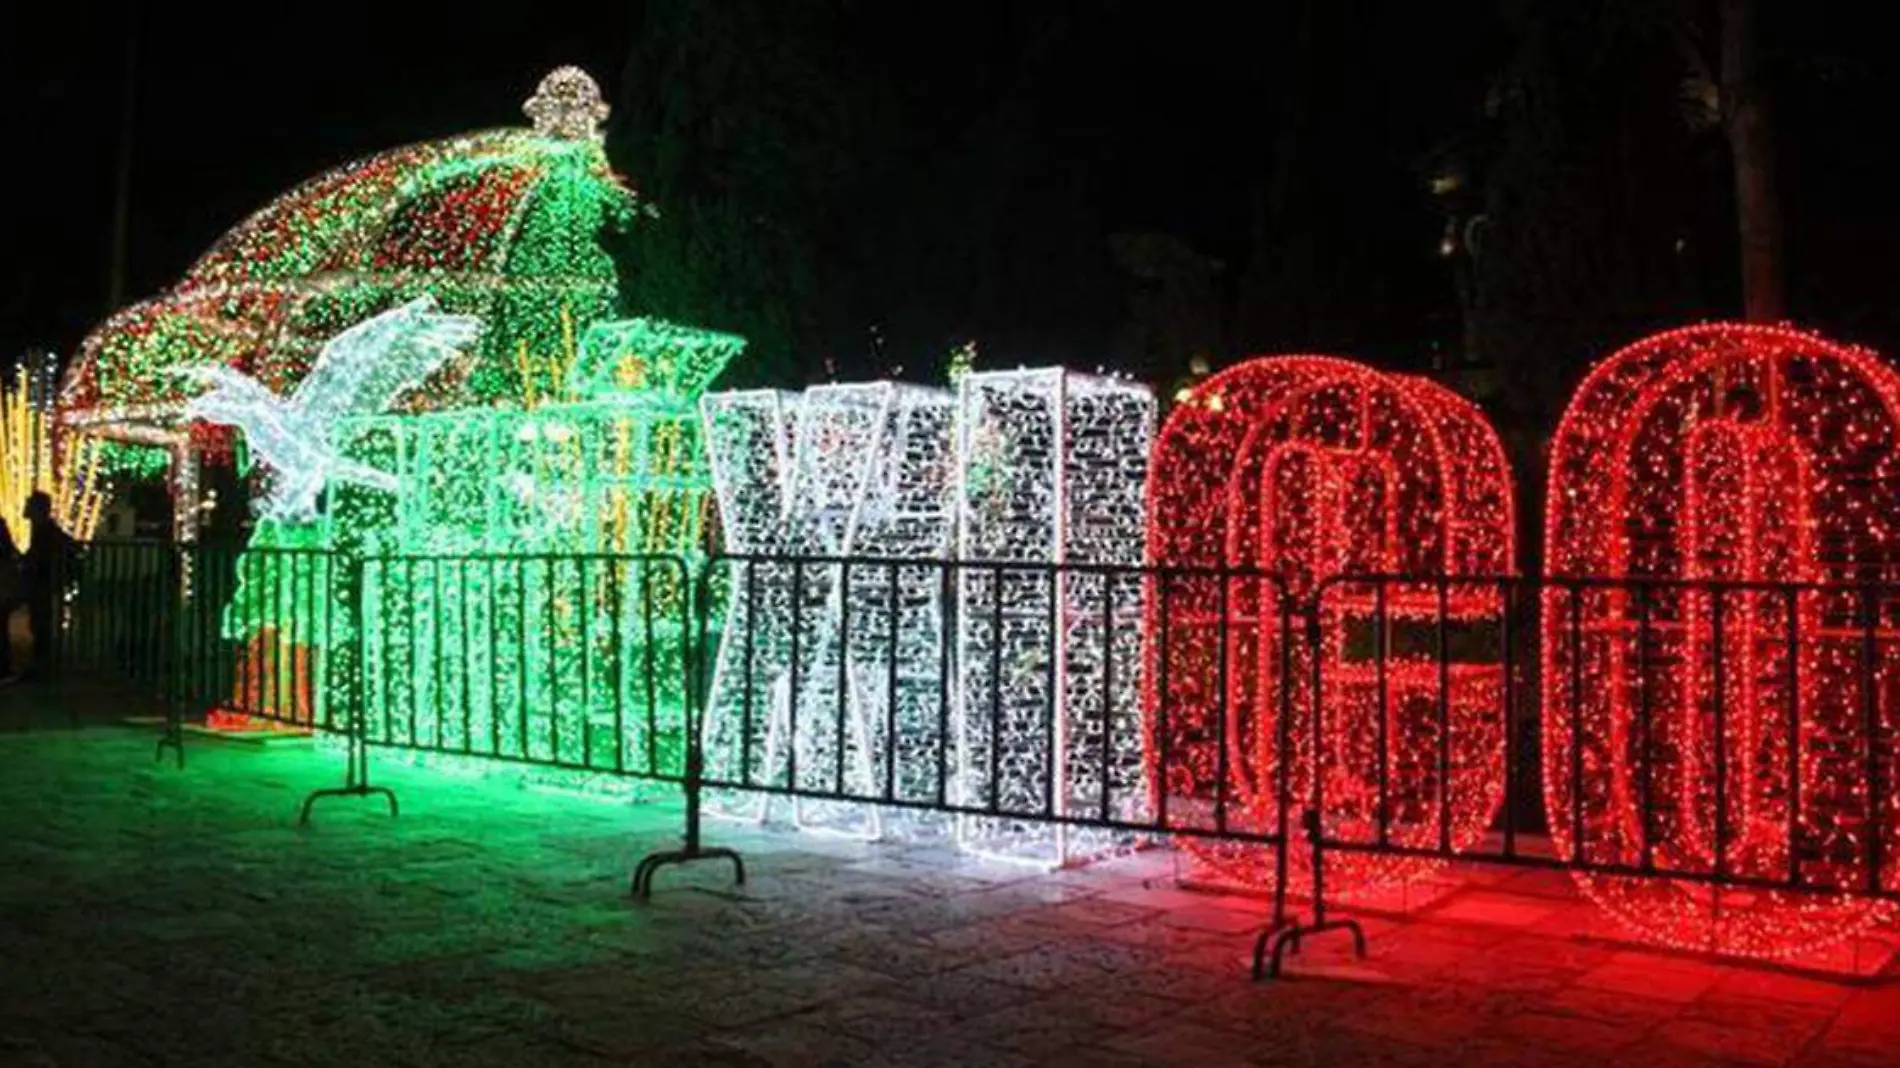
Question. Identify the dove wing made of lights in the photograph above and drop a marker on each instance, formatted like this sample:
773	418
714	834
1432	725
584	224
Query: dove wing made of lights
360	371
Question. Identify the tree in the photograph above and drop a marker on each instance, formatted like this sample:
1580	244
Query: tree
1733	95
1176	309
737	126
1589	197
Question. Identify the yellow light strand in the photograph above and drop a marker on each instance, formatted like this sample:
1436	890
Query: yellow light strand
29	463
529	400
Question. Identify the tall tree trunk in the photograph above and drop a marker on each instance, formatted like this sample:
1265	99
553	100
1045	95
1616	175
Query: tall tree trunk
1271	312
1751	139
122	175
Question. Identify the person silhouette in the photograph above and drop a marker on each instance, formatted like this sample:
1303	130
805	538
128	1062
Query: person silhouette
44	568
10	600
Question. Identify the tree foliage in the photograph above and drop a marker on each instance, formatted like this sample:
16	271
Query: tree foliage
848	189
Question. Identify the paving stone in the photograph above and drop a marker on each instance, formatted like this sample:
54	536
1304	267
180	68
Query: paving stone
1752	984
1186	1043
1649	976
152	916
1037	1029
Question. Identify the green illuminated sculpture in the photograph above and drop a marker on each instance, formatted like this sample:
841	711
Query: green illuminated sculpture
557	430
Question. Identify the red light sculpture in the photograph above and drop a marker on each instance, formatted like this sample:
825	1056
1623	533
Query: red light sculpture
1726	454
1308	468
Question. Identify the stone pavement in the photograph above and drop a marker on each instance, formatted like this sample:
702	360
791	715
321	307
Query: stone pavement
155	916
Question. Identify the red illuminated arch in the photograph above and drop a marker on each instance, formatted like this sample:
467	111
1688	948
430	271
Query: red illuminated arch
1737	454
1308	468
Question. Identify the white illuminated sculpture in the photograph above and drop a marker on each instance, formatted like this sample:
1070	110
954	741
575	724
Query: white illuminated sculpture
1051	468
827	678
361	371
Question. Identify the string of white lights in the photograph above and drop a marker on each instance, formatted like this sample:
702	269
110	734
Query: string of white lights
815	654
1051	470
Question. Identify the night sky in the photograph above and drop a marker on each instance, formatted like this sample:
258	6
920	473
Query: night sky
1168	112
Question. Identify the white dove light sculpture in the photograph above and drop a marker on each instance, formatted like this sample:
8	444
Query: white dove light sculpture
361	371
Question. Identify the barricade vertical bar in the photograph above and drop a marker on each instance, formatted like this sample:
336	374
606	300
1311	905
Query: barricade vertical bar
1108	689
160	667
1382	623
165	588
435	642
1645	728
244	658
1161	700
554	675
947	599
1507	603
74	606
321	690
86	611
165	600
1315	816
844	673
210	653
1223	704
489	583
120	575
137	655
148	667
313	657
616	568
1721	732
273	701
1576	720
651	683
890	687
217	657
119	649
1793	640
131	652
996	687
1870	712
1052	758
585	719
791	703
745	695
521	657
184	663
1444	715
383	672
280	633
88	642
465	669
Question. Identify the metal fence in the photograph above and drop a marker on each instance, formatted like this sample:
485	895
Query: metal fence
1726	734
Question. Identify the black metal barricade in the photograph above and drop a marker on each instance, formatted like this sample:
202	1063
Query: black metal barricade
1733	735
1738	736
575	661
1003	703
114	613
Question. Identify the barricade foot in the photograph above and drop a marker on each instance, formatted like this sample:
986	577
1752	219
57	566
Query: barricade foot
650	865
173	743
1275	942
303	820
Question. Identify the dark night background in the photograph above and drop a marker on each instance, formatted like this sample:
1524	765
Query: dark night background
859	186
